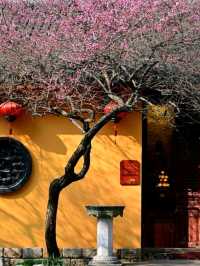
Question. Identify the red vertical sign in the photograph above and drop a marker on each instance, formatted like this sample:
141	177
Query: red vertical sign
129	172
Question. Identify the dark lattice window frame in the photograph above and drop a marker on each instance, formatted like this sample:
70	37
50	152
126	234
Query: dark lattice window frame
15	164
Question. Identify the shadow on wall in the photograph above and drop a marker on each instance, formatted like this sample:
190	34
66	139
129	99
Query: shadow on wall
24	227
46	134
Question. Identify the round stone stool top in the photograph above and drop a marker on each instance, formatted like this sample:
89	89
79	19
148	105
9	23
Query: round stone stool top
105	211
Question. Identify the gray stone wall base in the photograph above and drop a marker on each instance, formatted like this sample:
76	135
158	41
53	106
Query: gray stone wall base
82	257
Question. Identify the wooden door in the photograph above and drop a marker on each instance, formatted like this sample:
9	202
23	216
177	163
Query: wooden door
164	234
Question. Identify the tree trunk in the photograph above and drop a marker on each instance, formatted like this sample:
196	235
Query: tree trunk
83	149
50	228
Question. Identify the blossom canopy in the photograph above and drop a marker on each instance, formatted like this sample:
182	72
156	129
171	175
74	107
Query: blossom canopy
75	53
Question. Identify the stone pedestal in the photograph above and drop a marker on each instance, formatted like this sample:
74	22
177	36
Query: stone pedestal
105	215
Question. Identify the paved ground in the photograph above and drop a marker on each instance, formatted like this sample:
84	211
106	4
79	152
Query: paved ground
169	263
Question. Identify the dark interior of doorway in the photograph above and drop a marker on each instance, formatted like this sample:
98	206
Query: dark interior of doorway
170	215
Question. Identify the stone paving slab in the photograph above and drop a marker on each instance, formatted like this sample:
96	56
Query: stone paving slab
167	263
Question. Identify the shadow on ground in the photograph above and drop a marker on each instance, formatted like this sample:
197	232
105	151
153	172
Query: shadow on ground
168	263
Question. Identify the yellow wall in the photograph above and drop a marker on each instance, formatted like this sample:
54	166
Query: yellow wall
51	140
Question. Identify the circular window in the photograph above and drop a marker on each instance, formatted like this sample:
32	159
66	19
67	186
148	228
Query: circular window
15	164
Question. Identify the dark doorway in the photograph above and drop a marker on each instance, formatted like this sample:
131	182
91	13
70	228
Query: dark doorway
171	186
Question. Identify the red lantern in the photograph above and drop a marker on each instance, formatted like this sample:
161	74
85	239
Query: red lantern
109	108
11	110
115	118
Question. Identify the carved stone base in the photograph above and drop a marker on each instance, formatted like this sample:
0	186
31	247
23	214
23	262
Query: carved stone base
107	260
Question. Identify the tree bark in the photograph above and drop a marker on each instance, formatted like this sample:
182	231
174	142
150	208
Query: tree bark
55	189
50	228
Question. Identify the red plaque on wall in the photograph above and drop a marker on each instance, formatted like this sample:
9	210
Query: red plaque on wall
129	172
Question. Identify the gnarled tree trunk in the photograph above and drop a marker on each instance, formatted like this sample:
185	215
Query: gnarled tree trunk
56	186
50	232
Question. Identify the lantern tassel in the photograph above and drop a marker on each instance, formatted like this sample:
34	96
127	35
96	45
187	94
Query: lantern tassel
10	129
115	132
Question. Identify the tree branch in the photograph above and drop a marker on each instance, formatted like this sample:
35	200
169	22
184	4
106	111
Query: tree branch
86	164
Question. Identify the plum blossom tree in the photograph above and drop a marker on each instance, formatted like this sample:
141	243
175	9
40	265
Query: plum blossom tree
71	57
